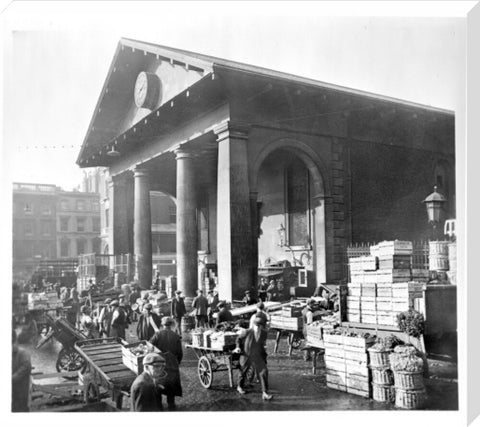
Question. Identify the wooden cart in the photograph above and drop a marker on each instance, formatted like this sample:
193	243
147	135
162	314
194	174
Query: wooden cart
291	327
211	360
68	358
105	369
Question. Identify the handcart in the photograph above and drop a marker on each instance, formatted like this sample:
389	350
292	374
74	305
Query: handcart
68	358
212	360
105	369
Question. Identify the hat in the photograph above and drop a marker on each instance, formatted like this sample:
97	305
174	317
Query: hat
261	305
148	306
221	304
247	292
310	301
200	291
178	292
210	292
121	296
259	320
152	359
108	301
167	321
114	303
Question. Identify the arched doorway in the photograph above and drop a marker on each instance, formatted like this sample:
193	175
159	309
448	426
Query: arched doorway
291	210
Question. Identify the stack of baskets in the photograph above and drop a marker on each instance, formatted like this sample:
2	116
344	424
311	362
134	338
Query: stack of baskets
407	369
382	376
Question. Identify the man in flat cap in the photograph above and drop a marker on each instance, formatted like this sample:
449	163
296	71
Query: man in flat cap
253	354
169	343
146	390
249	299
178	310
200	305
224	315
104	319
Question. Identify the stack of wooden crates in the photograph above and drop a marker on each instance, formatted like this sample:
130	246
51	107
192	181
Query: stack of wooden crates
380	284
346	362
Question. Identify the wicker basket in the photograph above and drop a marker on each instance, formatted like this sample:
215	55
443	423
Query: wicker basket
408	380
379	359
410	399
383	393
382	376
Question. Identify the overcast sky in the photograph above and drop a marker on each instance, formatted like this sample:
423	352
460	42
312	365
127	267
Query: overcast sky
58	55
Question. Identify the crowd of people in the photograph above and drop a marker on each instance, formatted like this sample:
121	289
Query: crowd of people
161	375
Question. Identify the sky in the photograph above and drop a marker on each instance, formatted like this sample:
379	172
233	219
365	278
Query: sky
58	55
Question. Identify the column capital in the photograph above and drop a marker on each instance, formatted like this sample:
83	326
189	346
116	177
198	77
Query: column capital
183	153
140	171
236	130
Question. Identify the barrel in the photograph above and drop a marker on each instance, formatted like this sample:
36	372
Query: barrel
438	255
452	262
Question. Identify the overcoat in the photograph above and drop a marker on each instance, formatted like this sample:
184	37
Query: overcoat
144	395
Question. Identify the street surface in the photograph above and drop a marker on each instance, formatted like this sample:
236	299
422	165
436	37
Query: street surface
292	383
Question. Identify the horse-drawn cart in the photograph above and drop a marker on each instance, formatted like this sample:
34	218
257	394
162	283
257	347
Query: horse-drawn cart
213	360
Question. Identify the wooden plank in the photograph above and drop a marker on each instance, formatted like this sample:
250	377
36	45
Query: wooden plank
103	357
96	348
125	372
103	351
113	368
109	362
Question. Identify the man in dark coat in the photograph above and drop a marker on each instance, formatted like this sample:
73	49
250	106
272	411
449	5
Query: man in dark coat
148	323
119	321
252	351
224	315
169	343
21	370
178	311
200	304
248	299
146	390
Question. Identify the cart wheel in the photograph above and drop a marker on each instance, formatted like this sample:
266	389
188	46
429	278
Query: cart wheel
69	360
205	373
91	391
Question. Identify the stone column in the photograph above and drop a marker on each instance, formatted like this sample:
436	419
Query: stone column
255	233
142	229
118	207
234	226
186	225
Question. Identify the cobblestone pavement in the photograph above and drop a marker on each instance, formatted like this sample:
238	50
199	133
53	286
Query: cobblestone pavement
292	384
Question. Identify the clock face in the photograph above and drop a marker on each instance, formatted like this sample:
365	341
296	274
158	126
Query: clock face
147	92
141	87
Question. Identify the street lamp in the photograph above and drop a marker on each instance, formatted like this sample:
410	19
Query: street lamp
434	204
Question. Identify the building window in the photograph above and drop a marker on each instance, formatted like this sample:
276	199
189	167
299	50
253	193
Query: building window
64	248
96	245
46	230
64	205
28	208
297	204
172	211
80	205
28	228
45	209
80	224
80	246
96	225
64	223
107	218
95	206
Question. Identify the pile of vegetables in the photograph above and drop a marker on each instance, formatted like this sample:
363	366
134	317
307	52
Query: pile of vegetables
406	358
411	322
386	344
140	350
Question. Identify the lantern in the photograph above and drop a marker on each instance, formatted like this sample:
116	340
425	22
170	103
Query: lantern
434	203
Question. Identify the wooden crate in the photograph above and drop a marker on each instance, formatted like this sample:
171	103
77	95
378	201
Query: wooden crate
368	304
353	316
333	339
358	382
292	311
357	368
369	290
355	355
384	304
356	277
369	277
393	275
395	261
354	290
336	386
369	317
384	290
224	341
334	353
369	263
314	331
395	247
334	378
359	342
132	361
286	323
362	393
315	342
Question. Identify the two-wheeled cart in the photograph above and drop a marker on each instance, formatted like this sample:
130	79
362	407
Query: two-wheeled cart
212	360
105	369
68	358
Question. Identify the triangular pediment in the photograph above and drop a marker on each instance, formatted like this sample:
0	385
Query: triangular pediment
118	109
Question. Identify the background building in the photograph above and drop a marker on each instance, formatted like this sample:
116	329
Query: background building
50	223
